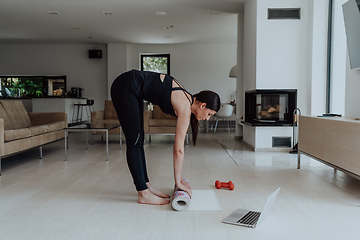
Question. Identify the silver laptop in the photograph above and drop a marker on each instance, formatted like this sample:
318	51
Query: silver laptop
246	218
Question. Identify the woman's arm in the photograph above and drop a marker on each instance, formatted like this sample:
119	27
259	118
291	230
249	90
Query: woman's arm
182	126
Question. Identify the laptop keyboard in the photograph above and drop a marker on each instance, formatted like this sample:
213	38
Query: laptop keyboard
250	218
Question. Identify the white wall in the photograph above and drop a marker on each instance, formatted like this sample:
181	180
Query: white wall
281	59
264	136
317	65
249	135
117	63
59	59
250	44
196	66
282	56
249	57
338	63
240	95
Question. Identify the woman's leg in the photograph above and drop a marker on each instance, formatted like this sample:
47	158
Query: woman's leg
142	138
129	113
129	109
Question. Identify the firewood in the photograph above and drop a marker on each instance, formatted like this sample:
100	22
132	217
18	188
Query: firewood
272	109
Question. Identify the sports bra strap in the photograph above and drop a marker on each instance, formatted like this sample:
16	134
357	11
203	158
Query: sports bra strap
180	88
184	90
177	88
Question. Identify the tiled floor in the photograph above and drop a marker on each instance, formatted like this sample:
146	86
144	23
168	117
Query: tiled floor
89	198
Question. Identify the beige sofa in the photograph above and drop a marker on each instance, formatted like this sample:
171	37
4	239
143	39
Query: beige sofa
158	122
20	130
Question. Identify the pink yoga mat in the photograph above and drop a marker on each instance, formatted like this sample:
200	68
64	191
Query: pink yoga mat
180	199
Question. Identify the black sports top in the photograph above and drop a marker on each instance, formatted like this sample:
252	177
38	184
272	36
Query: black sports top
149	86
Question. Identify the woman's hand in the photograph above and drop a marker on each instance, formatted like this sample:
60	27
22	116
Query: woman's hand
185	186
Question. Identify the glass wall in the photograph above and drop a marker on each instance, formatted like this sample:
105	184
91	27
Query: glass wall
32	86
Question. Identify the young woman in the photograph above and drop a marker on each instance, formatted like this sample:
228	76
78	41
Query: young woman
128	92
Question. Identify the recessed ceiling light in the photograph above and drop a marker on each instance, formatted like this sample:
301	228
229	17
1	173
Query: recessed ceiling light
167	37
161	13
90	37
53	13
169	27
107	13
75	28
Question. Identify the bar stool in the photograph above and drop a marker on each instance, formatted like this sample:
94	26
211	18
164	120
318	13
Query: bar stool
89	107
78	111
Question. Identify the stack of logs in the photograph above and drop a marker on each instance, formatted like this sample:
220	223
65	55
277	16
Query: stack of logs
270	111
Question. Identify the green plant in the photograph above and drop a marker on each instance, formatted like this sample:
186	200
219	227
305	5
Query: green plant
23	86
155	64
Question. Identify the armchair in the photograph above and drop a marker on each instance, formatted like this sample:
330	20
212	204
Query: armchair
108	115
159	123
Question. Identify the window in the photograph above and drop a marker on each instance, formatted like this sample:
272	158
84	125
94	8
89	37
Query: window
156	63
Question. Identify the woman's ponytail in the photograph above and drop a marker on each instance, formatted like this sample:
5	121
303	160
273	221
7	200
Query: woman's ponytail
194	128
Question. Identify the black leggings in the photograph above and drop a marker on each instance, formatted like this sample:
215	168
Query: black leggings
129	109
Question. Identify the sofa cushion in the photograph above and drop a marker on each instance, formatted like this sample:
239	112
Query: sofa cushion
113	121
109	110
56	126
10	135
3	115
16	113
37	130
162	122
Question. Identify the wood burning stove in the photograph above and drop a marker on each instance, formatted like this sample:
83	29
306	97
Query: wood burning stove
270	107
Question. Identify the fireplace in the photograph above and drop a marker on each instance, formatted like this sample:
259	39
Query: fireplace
270	107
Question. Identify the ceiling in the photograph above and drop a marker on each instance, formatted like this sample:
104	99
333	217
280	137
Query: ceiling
125	21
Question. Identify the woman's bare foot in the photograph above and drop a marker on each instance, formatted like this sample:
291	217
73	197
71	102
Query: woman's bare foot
147	197
156	192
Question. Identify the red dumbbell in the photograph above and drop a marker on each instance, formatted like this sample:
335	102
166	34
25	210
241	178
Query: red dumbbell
229	185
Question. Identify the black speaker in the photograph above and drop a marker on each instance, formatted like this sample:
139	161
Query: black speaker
95	54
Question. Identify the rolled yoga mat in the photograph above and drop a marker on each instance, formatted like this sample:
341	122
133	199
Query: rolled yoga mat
180	199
